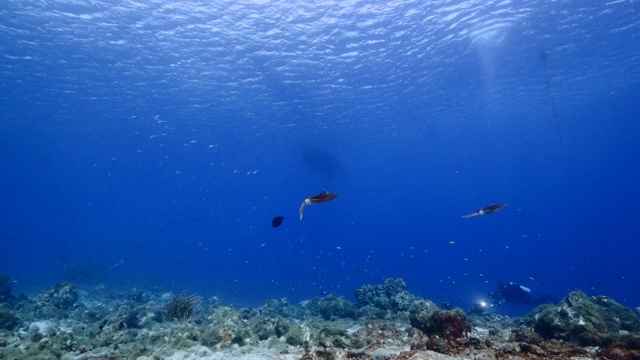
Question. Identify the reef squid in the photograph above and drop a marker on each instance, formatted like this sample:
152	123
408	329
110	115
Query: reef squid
486	210
321	198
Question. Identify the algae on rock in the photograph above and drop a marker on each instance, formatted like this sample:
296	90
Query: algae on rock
594	321
390	296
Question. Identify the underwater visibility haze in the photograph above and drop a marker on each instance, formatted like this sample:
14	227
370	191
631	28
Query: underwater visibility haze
153	143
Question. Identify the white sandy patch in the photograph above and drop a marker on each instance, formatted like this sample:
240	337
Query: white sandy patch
41	327
244	353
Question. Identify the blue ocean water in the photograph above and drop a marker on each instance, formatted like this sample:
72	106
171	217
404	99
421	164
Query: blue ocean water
151	143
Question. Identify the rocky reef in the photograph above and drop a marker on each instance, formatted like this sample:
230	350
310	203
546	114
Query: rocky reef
596	321
386	299
386	322
8	318
5	288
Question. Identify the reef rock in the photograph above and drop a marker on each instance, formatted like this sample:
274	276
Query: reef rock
8	320
266	327
334	337
447	324
390	296
331	307
596	321
420	312
63	295
438	330
58	299
5	288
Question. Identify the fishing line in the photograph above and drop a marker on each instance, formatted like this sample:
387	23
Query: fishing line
552	99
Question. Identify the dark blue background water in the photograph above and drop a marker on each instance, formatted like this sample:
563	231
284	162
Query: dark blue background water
152	143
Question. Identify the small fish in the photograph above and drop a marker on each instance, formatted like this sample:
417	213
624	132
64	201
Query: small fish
486	210
277	221
321	198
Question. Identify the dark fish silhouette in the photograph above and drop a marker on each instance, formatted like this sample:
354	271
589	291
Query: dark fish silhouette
321	198
486	210
277	221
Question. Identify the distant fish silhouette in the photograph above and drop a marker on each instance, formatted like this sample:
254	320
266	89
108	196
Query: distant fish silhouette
277	221
486	210
321	198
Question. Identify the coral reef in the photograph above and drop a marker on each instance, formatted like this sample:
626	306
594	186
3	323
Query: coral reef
420	312
63	295
389	297
442	330
5	288
65	323
448	324
8	320
596	321
182	307
331	307
266	327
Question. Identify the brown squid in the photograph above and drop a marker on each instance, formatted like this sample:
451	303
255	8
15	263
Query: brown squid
321	198
486	210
